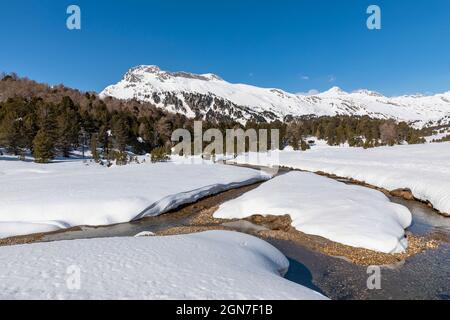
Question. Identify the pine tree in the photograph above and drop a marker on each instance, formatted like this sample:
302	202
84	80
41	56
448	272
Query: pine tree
121	158
160	155
330	133
295	144
10	132
68	130
120	132
304	145
12	129
47	119
94	150
42	147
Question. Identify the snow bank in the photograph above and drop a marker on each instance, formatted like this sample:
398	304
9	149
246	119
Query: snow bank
210	265
425	168
352	215
38	198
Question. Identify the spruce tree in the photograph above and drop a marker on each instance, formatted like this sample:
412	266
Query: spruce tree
94	150
304	145
10	133
120	132
68	129
295	144
42	147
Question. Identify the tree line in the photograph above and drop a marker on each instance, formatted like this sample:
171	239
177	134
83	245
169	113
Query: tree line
53	121
357	131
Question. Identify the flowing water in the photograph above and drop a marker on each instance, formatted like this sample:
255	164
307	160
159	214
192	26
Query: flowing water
424	276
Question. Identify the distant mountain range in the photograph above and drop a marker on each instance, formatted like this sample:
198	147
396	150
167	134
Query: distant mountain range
208	96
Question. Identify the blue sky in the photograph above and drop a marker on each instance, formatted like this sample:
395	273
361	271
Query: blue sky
295	45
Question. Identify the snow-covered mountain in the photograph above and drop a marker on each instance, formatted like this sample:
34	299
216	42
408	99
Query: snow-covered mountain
210	97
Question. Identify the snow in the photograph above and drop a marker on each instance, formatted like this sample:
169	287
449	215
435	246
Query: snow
8	229
40	198
348	214
438	136
144	234
142	82
423	168
209	265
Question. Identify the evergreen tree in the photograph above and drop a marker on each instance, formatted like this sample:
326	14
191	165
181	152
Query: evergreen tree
160	155
295	144
68	128
94	148
42	147
12	125
120	132
10	132
47	119
330	133
304	145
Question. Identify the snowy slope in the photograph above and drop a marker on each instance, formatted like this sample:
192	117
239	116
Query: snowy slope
423	168
35	198
210	265
208	95
352	215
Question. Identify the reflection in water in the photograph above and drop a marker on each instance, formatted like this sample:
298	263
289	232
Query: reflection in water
425	220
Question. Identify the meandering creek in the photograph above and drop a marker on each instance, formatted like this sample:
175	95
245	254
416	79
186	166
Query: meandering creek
423	276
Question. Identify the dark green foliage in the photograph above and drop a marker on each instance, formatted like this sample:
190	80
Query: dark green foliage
356	131
42	147
120	131
160	155
121	158
94	148
444	139
68	126
304	145
115	127
17	125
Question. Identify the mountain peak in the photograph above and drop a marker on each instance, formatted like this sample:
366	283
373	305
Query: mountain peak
368	93
333	91
145	68
142	71
207	96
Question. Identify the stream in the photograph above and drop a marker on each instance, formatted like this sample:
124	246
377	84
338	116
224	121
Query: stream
423	276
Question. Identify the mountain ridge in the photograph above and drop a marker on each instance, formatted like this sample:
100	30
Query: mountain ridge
208	96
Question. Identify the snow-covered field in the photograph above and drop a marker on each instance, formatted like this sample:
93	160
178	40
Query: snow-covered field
423	168
210	265
352	215
38	198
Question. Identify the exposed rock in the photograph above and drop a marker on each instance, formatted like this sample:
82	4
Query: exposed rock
403	193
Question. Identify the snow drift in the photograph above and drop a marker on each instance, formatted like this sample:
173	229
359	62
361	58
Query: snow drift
210	265
38	198
423	168
352	215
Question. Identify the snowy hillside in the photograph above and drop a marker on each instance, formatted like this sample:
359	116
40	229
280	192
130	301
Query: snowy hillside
209	96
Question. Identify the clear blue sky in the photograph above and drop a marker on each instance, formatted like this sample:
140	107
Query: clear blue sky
295	45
